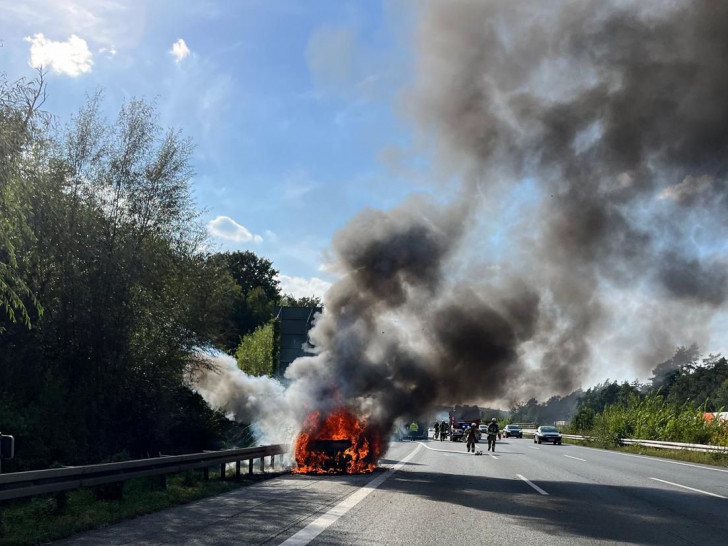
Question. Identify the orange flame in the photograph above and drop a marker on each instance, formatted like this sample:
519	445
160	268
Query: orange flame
339	443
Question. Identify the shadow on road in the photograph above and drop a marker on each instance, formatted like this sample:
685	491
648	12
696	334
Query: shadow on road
630	514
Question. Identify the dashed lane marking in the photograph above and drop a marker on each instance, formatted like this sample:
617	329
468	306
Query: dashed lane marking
690	488
536	487
534	447
318	526
577	458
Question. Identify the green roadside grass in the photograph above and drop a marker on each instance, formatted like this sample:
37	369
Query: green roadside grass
40	520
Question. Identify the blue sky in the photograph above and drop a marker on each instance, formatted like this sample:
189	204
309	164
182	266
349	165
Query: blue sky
292	105
298	112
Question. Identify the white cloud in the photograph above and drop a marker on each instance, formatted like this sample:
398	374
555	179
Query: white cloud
225	227
297	184
109	51
180	50
72	57
300	287
101	22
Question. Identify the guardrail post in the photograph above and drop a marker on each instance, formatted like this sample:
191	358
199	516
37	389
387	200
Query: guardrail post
237	469
61	501
250	466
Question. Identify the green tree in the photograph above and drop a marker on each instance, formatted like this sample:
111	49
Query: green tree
251	271
111	245
255	354
304	301
259	292
20	124
665	373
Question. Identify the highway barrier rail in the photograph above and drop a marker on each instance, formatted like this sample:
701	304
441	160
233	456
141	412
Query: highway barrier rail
648	443
18	485
674	445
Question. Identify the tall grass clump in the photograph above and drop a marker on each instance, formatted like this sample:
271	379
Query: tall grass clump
652	418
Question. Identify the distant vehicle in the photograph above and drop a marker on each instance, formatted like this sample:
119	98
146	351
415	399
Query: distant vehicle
417	430
547	434
461	417
483	429
512	430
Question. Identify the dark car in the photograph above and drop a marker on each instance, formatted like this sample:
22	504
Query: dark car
512	431
547	434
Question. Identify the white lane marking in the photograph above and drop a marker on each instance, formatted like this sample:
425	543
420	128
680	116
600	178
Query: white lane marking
534	447
577	458
493	456
318	526
654	459
444	450
690	488
536	487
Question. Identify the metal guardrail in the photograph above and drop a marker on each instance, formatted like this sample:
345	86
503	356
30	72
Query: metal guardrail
675	445
18	485
650	443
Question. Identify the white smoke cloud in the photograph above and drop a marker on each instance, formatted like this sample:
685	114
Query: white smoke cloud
300	287
72	57
260	401
180	51
225	227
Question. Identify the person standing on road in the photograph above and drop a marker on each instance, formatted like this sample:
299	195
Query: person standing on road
470	437
437	430
443	431
414	430
493	431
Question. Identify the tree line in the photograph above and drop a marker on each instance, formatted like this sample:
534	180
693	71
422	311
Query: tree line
107	291
669	406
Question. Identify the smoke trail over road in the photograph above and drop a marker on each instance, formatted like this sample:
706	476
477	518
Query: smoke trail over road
594	136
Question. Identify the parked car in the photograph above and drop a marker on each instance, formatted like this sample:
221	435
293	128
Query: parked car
547	434
512	430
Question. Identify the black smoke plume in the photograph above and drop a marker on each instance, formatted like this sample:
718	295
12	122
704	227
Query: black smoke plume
591	139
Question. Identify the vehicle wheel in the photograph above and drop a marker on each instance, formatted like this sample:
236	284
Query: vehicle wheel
534	439
558	443
539	440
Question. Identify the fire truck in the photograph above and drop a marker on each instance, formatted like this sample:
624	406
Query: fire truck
461	417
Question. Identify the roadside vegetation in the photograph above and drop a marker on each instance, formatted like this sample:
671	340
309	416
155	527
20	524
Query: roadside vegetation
109	289
651	417
671	407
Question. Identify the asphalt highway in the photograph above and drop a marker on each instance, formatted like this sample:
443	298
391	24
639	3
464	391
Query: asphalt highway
435	493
